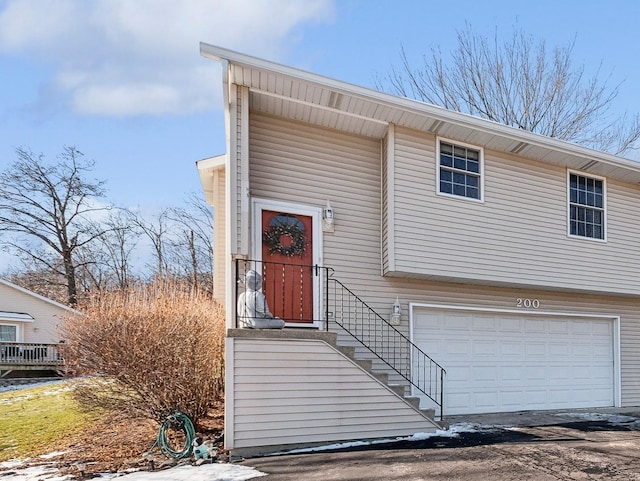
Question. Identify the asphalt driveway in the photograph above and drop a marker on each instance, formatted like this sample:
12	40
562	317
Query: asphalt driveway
567	446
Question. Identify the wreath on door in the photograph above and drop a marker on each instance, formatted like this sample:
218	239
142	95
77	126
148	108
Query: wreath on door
284	227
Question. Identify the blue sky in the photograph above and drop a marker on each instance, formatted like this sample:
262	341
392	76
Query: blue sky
124	82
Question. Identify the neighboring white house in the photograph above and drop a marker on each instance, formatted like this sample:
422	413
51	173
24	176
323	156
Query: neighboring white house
29	332
510	259
28	317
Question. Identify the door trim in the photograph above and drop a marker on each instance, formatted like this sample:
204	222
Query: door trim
257	206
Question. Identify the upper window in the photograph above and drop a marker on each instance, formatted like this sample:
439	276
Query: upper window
586	206
460	170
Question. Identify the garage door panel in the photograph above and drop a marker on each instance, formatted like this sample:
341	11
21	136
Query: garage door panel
585	374
561	374
485	374
602	394
601	350
535	349
558	350
509	362
512	399
510	374
558	327
458	322
458	401
535	374
599	374
459	375
603	329
536	398
457	347
582	328
581	349
510	324
484	324
485	348
485	400
434	348
511	348
561	397
534	326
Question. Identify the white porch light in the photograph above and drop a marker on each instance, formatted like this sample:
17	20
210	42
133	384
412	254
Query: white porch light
396	313
327	218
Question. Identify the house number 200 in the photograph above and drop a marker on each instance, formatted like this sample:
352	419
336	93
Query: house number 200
527	303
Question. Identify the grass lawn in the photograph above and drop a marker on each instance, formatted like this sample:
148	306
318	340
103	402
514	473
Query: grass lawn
35	420
47	419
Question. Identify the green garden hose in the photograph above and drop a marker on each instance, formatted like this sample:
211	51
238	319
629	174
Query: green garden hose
175	422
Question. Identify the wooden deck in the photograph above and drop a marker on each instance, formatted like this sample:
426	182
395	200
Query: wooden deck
20	356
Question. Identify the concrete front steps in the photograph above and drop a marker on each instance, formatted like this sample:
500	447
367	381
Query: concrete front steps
398	389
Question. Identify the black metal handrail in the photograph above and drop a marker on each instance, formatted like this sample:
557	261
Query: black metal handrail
289	290
386	342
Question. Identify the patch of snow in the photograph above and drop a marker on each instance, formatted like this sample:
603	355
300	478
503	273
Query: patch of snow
453	431
59	390
8	402
33	473
611	418
54	454
17	387
473	428
11	463
206	472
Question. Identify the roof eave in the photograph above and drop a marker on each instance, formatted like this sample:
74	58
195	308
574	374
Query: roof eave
421	108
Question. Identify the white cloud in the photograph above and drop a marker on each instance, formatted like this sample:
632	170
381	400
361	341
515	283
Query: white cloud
126	58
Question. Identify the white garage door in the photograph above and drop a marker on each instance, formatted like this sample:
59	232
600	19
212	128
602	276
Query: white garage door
499	362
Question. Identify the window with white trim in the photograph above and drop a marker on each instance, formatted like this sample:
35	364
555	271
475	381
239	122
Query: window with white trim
8	333
586	206
459	170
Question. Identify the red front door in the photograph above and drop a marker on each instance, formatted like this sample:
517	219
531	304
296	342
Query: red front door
287	259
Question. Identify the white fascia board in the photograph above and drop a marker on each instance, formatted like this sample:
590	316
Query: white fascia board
421	108
213	163
206	169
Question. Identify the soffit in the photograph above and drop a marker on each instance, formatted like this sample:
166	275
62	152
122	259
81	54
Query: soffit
306	97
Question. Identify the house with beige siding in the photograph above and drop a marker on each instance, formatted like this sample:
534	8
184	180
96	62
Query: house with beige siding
426	263
29	333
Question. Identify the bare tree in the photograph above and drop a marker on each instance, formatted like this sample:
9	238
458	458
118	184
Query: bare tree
113	249
49	209
193	242
158	231
520	83
34	276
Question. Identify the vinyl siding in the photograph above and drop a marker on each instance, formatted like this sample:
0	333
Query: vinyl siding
291	392
388	201
239	169
235	154
517	236
219	232
306	165
48	318
301	164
